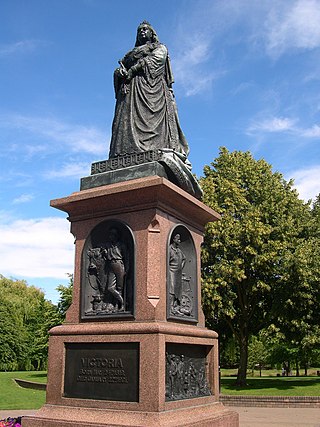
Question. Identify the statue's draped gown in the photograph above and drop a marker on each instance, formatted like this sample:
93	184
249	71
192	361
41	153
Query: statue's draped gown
146	117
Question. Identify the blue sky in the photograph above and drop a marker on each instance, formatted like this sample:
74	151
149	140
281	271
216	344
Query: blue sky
247	77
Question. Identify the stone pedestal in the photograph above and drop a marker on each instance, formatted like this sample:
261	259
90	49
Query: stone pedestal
114	370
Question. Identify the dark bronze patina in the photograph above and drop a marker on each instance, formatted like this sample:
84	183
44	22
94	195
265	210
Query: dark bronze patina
108	271
182	276
186	372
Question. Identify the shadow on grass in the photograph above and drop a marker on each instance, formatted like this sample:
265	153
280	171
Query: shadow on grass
38	375
271	383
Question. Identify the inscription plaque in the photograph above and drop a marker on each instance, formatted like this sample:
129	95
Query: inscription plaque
107	371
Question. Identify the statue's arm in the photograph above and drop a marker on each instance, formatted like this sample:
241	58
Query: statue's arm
155	60
134	70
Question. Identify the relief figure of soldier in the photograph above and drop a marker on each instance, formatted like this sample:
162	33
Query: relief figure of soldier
107	271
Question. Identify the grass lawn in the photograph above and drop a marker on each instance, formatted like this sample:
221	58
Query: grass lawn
13	396
273	386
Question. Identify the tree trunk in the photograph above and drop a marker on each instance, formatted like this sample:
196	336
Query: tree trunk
297	369
243	363
287	369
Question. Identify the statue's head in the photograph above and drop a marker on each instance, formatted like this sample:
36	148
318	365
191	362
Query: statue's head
176	239
113	235
145	33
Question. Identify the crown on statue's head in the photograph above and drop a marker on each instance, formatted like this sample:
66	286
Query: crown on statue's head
145	23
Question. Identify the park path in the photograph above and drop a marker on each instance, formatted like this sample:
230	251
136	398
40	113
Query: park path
249	416
278	417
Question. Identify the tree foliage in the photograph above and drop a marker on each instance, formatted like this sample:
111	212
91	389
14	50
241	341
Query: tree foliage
258	354
65	297
25	318
300	318
245	257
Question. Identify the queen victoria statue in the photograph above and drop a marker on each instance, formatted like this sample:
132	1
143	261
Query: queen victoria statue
146	118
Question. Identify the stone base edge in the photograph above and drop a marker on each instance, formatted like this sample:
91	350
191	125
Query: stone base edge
214	415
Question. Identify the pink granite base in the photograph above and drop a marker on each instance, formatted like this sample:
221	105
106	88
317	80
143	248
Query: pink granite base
151	207
212	415
152	409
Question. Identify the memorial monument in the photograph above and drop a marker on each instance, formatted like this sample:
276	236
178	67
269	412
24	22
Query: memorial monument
134	350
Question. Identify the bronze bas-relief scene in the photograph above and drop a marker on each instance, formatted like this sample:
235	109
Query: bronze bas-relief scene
181	276
186	372
108	271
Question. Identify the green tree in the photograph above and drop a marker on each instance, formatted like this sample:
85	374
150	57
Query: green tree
243	268
315	212
258	354
229	352
13	338
18	303
25	318
300	318
65	299
50	317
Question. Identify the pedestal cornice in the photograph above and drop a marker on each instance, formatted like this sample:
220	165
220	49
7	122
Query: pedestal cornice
128	196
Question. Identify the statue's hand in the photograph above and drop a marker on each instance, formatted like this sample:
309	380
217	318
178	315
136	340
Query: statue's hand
121	72
129	75
135	69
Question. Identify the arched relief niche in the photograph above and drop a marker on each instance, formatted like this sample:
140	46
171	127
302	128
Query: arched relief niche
107	278
182	295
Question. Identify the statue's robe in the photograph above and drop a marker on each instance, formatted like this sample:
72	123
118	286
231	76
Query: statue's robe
146	115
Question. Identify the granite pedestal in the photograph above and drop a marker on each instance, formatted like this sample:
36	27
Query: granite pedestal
83	351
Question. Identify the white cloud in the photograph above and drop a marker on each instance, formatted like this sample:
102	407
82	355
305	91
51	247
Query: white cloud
24	198
272	124
188	63
282	125
307	182
313	132
293	25
35	150
22	46
264	27
243	87
77	138
71	170
40	248
197	34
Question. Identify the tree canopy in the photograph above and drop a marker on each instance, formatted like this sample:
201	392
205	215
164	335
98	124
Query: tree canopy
25	320
248	283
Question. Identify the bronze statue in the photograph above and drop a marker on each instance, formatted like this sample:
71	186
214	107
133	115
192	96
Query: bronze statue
146	116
